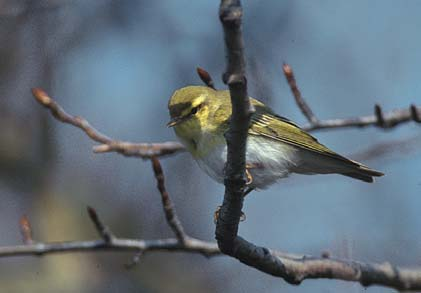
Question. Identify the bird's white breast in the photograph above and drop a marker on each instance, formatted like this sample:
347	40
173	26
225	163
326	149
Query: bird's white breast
269	160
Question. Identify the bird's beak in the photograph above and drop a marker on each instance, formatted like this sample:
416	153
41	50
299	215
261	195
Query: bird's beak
173	122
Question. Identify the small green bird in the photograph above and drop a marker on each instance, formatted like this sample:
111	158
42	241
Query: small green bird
276	146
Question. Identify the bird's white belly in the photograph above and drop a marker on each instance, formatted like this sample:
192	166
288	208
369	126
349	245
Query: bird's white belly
268	161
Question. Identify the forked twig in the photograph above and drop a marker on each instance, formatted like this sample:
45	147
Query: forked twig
142	150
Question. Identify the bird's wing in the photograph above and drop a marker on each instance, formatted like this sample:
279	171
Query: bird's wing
267	124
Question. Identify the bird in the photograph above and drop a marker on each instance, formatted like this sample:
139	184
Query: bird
276	146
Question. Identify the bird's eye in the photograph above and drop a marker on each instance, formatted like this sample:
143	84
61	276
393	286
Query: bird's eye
194	110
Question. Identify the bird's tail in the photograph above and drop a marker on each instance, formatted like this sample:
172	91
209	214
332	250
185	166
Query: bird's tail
314	163
362	172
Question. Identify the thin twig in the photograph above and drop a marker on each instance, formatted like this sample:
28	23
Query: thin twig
103	230
379	119
142	150
169	209
301	103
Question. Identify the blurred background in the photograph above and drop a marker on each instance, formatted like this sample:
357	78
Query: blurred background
116	63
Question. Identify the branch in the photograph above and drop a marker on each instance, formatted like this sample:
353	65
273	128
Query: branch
169	209
301	103
142	150
379	119
103	230
230	13
118	244
110	242
294	268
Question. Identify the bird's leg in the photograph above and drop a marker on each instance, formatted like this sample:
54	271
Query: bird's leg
216	214
248	176
247	191
249	181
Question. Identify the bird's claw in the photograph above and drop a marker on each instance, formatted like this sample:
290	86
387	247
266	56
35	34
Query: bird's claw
249	177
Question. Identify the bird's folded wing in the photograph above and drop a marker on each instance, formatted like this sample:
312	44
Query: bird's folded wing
269	125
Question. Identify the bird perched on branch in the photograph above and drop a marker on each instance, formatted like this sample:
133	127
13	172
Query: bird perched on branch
276	146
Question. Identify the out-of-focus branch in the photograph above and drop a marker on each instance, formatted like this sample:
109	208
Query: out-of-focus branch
403	146
379	119
103	230
109	241
142	150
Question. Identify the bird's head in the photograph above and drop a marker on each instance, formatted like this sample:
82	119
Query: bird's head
189	111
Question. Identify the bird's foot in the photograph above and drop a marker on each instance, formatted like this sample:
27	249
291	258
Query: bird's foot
249	177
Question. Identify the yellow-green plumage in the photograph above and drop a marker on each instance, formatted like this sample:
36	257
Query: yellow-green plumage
275	147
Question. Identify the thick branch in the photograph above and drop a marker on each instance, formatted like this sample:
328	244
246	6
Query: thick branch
142	150
230	13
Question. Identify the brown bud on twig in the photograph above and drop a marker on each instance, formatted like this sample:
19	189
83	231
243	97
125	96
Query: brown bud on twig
205	77
26	230
414	114
379	115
